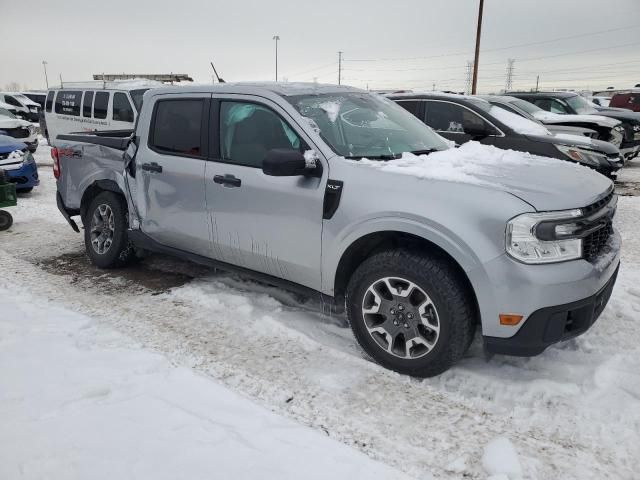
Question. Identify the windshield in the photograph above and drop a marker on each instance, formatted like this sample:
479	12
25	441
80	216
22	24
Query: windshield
136	96
358	124
528	107
6	113
580	105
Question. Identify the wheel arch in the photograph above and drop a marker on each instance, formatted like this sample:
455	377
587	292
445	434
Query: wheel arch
96	188
374	242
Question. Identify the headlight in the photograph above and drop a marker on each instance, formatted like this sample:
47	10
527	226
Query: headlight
636	127
588	157
28	159
523	241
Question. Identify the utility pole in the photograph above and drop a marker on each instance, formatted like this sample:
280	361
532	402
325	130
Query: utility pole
467	81
339	67
509	83
434	87
276	38
61	86
46	79
537	82
474	85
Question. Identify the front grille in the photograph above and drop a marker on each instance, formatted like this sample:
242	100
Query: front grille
594	243
20	132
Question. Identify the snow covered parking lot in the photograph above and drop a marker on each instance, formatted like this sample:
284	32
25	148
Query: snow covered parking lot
573	412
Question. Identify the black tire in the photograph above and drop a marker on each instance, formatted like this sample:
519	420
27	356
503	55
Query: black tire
437	278
25	190
120	252
6	220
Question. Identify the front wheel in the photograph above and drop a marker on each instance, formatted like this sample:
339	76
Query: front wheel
105	231
411	312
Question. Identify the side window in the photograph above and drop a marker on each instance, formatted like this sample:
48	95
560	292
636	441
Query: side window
444	117
557	107
248	131
100	105
122	111
177	127
49	102
68	102
87	102
411	106
12	101
543	103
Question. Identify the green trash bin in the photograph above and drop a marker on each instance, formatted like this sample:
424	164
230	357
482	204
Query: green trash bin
8	198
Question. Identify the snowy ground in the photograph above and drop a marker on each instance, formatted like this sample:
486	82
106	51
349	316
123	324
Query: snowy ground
571	413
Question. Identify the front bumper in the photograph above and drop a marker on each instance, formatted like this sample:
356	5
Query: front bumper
24	177
550	325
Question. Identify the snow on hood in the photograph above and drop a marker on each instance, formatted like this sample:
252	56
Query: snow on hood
13	161
517	123
545	183
552	118
6	122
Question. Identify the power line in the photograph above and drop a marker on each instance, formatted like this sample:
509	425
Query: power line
332	64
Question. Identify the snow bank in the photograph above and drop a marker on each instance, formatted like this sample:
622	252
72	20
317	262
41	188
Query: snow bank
517	123
471	163
501	460
79	401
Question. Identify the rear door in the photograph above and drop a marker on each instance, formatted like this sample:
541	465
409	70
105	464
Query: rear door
447	119
268	224
169	173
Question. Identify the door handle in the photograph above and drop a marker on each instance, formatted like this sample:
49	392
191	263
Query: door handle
152	167
227	180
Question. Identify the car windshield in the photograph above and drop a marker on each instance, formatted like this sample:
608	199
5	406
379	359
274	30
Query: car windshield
580	105
527	107
136	96
359	124
6	113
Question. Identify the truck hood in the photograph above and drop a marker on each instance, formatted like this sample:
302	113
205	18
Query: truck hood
576	141
6	122
557	119
544	183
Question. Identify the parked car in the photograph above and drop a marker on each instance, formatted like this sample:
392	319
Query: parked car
25	108
313	187
93	106
629	100
601	101
38	96
18	163
572	103
605	128
19	129
463	118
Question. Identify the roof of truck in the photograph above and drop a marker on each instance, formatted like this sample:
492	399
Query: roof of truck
285	89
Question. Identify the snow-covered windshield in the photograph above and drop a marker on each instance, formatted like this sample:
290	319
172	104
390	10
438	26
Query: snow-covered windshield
517	123
581	105
6	113
358	124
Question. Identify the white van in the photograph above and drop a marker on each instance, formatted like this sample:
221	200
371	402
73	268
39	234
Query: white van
93	106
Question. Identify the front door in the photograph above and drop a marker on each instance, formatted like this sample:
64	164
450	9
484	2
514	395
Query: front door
169	174
269	224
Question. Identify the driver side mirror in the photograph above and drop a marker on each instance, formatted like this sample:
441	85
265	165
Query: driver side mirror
286	162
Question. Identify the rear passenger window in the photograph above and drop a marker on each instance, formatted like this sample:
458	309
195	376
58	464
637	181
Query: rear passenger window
49	102
68	102
87	101
100	105
177	127
122	111
411	106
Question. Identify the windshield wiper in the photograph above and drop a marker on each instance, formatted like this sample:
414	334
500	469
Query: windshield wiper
392	156
425	151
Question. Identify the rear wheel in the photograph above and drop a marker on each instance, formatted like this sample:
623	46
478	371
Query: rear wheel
6	220
105	231
410	312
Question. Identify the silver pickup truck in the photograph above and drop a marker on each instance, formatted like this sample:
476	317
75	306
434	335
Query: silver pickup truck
337	192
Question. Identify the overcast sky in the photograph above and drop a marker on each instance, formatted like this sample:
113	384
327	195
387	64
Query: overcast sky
401	44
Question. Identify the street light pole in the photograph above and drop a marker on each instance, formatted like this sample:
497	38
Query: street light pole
474	83
276	38
46	79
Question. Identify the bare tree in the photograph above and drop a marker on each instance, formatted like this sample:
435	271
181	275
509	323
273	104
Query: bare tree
12	87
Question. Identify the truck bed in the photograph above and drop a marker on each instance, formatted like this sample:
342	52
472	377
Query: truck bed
117	139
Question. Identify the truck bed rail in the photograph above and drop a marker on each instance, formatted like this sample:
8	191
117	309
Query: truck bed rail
117	139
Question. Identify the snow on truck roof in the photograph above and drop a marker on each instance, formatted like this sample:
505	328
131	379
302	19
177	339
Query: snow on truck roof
285	89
